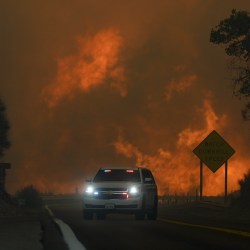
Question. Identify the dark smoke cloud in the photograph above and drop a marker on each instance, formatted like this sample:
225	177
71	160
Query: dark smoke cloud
164	43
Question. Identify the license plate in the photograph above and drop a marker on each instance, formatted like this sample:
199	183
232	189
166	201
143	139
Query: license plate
109	206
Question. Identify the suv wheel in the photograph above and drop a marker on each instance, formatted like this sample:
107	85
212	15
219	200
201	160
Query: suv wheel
87	215
152	215
140	215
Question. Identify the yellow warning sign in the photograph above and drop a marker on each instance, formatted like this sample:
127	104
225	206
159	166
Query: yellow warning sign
214	151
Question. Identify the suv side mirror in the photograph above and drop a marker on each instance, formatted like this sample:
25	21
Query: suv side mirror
88	180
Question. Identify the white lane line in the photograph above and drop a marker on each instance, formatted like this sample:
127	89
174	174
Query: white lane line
68	235
49	211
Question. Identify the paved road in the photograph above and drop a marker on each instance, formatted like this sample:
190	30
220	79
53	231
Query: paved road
174	230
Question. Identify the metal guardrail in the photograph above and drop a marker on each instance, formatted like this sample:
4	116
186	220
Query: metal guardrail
166	200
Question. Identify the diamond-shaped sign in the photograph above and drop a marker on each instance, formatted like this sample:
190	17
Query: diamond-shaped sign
214	151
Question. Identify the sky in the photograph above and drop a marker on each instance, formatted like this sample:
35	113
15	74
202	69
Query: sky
92	83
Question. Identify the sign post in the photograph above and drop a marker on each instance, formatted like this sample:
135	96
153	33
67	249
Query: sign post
226	181
201	179
214	151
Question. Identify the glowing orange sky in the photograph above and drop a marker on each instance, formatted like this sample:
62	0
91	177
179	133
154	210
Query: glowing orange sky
96	60
98	83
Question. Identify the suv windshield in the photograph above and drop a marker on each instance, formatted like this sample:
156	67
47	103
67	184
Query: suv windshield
130	175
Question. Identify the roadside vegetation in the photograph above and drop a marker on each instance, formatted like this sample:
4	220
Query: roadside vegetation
29	197
244	183
233	33
4	129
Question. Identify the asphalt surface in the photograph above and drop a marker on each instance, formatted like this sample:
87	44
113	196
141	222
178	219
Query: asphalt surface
195	226
23	229
198	226
123	232
20	233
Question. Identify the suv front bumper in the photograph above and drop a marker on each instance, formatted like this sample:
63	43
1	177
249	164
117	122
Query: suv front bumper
132	204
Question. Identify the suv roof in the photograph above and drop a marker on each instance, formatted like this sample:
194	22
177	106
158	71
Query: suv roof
118	174
124	167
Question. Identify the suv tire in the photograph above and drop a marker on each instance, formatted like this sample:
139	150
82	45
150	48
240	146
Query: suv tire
152	215
140	215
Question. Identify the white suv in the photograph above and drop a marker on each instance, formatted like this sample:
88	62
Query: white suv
121	190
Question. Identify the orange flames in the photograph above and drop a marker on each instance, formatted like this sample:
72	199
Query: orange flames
95	63
179	86
177	169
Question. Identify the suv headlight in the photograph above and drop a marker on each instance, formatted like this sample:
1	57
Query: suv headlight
134	190
90	190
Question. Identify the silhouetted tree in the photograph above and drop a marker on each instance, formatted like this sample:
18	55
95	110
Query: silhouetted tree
4	128
245	189
234	34
31	196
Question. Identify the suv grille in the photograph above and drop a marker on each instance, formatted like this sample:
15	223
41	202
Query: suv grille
112	193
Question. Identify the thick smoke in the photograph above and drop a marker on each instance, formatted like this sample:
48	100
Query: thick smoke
109	83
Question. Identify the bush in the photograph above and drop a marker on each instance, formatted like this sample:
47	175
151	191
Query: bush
245	189
31	197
